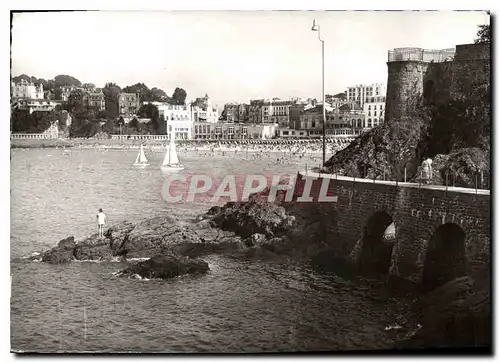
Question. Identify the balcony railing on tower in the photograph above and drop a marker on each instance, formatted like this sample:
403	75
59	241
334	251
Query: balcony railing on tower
421	55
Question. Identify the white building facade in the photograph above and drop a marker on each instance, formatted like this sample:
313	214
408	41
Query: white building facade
178	119
32	105
361	92
25	89
374	110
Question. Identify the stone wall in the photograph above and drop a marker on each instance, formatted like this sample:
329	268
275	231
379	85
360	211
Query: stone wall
404	85
458	78
416	212
471	69
437	82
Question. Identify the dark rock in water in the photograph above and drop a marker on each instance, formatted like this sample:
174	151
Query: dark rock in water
214	210
62	253
118	235
166	266
93	248
67	243
247	218
453	315
256	239
57	255
152	236
166	235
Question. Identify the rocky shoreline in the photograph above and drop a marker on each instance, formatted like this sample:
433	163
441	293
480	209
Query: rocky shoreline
281	230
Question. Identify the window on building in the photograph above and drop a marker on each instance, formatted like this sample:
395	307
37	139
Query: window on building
375	113
369	107
369	113
381	107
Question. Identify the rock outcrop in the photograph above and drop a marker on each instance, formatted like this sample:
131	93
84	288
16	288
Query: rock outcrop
154	236
462	168
62	253
454	315
382	152
248	218
165	267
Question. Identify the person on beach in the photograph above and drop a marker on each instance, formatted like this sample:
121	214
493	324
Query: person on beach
101	221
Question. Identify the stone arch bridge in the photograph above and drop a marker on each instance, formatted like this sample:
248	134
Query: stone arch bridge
438	232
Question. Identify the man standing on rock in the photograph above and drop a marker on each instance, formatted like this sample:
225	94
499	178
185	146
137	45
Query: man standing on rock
101	221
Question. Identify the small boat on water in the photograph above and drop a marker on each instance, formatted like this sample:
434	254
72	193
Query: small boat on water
171	160
141	159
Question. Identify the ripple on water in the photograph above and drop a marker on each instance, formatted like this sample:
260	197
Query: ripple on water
239	306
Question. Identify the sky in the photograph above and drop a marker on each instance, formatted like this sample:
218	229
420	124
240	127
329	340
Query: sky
233	56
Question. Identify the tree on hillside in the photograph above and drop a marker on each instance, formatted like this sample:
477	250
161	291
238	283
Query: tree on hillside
111	94
146	94
88	85
77	101
179	96
33	79
162	127
65	80
340	95
133	123
158	94
21	77
150	111
138	88
483	34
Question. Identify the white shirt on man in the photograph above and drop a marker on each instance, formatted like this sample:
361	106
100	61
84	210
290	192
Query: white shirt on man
101	218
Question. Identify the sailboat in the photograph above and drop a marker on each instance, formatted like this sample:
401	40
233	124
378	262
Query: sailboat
141	160
171	161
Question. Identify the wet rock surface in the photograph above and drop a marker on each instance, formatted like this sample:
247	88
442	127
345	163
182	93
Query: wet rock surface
165	267
151	237
62	253
454	315
248	218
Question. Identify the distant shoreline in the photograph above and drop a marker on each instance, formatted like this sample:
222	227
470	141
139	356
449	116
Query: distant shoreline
201	145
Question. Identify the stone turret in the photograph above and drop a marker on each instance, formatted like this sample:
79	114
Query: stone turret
406	68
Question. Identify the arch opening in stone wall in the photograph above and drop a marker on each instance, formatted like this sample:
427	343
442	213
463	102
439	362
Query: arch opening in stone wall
445	258
378	241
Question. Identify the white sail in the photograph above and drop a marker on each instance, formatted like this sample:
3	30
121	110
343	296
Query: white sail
137	158
142	158
173	153
171	160
166	159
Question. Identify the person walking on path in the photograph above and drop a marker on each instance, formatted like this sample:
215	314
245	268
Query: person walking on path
101	222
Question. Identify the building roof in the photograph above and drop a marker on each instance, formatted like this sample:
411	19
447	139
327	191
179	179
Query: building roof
318	108
350	106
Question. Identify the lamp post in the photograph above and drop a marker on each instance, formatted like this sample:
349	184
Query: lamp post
315	28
